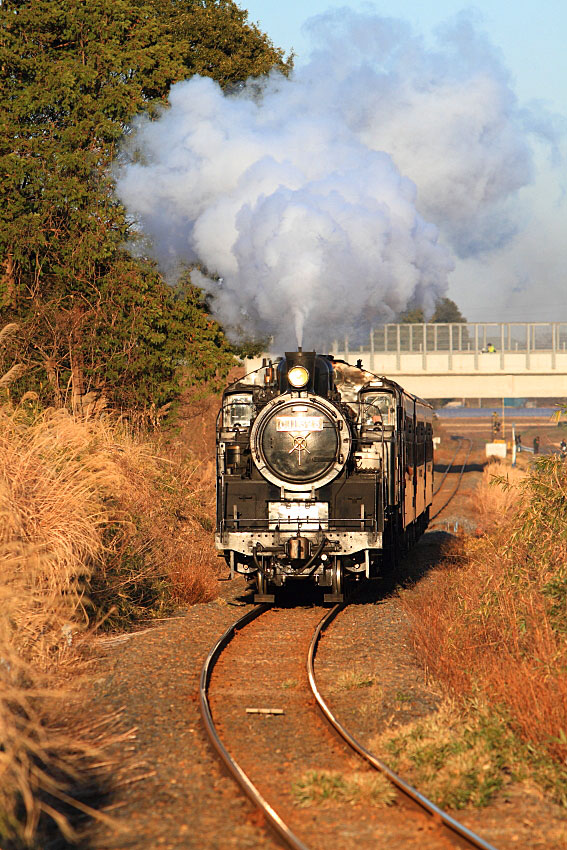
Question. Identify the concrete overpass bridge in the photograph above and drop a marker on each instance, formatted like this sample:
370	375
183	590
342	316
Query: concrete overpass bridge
473	360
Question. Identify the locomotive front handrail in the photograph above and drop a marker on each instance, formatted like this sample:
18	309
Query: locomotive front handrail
263	523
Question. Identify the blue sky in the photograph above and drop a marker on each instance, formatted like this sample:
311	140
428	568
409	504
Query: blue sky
532	34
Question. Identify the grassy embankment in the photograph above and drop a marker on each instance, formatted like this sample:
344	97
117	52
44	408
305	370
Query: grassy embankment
491	626
95	530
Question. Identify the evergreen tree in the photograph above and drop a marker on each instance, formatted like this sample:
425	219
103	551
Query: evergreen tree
213	38
412	316
447	311
74	73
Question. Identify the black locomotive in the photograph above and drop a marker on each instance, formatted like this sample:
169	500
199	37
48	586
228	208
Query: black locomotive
324	472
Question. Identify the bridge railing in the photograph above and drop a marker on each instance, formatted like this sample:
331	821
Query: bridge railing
456	337
465	346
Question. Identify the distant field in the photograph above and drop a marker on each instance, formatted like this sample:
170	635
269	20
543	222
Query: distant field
516	414
476	422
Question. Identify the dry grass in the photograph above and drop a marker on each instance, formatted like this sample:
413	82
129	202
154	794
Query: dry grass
317	787
93	527
94	508
51	503
352	679
449	756
48	770
465	754
491	501
492	620
53	487
186	520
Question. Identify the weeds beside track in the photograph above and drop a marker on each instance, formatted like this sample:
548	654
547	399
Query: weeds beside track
95	531
491	625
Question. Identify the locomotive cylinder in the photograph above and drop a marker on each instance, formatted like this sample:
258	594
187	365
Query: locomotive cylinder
232	454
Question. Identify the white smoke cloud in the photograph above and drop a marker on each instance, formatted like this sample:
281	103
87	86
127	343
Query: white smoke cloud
319	199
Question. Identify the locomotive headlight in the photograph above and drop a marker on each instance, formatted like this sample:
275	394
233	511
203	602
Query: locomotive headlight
298	376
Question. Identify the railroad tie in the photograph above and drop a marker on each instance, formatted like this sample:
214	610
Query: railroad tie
264	711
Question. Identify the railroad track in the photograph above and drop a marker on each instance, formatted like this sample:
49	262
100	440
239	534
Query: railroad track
413	807
464	444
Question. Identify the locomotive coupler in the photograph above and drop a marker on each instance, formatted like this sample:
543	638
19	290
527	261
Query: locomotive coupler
298	548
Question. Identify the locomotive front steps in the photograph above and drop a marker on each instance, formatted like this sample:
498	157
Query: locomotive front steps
264	597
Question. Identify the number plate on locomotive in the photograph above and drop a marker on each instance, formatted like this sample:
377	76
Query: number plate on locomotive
299	423
293	515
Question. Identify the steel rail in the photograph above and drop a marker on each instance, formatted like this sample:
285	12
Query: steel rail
449	467
453	825
271	816
459	479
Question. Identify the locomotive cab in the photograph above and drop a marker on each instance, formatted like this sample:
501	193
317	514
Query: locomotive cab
377	408
379	439
237	410
377	421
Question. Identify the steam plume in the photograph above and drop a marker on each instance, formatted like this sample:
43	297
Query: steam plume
329	200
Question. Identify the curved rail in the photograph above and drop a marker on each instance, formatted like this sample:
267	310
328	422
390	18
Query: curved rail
283	831
449	465
273	819
460	478
453	825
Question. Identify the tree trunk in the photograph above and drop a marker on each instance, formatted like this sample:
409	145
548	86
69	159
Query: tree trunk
77	381
53	379
8	282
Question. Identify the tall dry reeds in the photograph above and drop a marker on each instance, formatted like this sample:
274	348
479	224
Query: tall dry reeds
52	492
54	482
492	621
497	494
93	526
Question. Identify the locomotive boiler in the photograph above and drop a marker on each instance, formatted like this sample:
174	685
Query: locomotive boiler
324	473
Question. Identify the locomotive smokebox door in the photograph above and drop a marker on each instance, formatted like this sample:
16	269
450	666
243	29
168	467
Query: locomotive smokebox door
298	548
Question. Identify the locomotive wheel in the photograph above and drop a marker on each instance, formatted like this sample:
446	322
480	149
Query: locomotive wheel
262	594
337	584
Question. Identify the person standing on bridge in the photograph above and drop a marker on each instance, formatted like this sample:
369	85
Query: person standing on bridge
536	445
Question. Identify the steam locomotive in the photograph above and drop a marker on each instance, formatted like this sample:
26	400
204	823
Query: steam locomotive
324	473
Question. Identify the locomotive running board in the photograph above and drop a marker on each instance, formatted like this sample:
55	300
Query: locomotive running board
264	597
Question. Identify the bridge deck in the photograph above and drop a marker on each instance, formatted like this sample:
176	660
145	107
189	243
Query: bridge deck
488	360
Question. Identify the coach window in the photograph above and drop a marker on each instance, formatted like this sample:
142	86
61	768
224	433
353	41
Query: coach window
238	411
420	431
428	443
410	455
